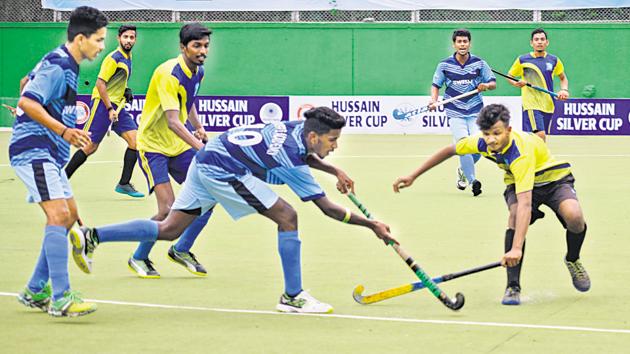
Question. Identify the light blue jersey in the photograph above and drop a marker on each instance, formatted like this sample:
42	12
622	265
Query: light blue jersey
461	79
275	153
53	84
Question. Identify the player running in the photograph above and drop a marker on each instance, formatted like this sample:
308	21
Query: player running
460	73
40	147
233	170
108	101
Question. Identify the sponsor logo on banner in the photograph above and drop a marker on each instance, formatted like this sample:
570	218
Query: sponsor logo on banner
220	113
83	112
591	117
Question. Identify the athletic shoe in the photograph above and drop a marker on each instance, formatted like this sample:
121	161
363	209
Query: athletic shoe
40	300
476	188
129	190
536	214
461	180
83	246
302	303
143	268
188	260
70	305
512	296
580	278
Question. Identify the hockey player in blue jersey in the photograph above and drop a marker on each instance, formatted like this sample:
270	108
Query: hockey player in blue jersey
460	73
43	130
234	170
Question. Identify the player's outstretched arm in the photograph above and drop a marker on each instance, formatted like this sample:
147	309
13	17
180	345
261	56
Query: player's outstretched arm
435	159
180	130
344	182
337	212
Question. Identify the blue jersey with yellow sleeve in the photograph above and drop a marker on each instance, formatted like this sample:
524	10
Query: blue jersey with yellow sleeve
52	84
115	71
460	79
275	153
526	159
538	71
173	87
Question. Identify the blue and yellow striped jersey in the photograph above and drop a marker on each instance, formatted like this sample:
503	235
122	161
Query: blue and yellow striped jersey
275	153
460	79
538	71
115	71
173	87
526	159
53	84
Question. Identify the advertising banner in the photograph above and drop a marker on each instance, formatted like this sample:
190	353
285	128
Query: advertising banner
591	117
216	113
392	114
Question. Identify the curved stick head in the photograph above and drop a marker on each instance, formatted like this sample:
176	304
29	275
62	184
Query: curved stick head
357	294
458	304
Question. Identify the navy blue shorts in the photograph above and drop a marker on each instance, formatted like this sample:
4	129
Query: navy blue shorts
99	122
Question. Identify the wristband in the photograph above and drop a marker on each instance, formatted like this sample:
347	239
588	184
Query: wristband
347	217
567	90
110	108
63	132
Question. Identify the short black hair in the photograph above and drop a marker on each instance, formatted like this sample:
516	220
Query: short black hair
124	28
321	120
85	20
192	32
491	114
539	30
462	32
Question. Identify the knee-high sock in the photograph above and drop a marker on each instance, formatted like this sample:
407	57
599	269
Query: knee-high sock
129	162
40	274
77	160
468	166
193	230
289	248
513	273
135	230
56	248
574	244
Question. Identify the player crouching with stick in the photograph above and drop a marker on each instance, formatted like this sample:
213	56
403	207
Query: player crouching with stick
533	177
234	170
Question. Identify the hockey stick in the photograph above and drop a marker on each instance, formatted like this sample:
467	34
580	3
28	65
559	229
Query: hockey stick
357	294
11	109
406	115
426	280
553	94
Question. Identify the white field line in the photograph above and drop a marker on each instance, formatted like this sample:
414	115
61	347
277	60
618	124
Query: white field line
388	157
361	318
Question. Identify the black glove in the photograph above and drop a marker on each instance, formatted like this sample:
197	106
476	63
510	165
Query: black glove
128	95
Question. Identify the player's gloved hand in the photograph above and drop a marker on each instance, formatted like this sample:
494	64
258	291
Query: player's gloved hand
382	231
77	137
128	95
512	258
344	183
402	182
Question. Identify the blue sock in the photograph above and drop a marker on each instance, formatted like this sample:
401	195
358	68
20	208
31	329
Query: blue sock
143	250
468	166
135	230
193	230
56	248
40	274
289	248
